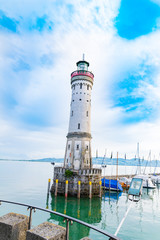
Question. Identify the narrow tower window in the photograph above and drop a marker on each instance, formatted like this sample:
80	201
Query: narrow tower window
77	147
72	113
73	87
78	125
80	85
87	87
87	113
87	147
68	146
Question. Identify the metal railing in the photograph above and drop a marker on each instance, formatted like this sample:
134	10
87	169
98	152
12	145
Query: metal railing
66	218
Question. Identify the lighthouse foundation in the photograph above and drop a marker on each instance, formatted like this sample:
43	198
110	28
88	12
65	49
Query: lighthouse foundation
84	177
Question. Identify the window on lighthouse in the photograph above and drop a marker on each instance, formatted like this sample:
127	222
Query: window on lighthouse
78	125
87	87
72	113
80	85
87	113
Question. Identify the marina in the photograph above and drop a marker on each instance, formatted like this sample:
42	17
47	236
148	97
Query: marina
105	213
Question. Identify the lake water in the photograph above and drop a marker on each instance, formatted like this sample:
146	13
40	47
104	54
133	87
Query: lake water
26	182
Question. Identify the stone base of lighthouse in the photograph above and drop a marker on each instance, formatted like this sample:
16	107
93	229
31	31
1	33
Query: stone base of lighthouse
83	175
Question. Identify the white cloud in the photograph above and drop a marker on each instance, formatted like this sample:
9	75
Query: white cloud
44	90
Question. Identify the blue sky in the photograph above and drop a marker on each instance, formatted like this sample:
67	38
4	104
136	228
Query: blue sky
41	42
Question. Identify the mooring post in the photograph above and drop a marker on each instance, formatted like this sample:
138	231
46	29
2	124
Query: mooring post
90	189
49	182
78	210
66	189
56	188
100	189
79	189
90	207
65	206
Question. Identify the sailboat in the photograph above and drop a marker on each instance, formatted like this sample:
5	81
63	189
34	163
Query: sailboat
111	184
124	181
147	183
155	178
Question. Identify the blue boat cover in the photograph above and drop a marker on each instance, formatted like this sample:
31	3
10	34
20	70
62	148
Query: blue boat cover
110	183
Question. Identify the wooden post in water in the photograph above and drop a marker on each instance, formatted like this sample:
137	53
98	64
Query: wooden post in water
66	189
56	188
78	210
79	189
90	189
49	182
117	172
100	189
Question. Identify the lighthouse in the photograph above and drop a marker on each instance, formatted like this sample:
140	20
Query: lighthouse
77	175
78	146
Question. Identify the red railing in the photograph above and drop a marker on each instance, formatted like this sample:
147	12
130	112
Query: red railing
82	72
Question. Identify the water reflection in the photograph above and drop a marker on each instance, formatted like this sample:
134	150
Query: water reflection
88	210
141	223
111	196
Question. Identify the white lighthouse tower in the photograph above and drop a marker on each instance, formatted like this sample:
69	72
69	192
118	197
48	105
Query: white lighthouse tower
78	146
77	176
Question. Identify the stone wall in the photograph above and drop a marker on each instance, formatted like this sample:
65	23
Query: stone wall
83	175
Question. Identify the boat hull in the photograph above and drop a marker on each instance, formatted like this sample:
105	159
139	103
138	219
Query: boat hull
113	185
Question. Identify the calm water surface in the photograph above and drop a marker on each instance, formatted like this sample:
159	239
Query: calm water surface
26	182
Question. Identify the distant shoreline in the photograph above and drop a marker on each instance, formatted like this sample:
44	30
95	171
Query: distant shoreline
99	161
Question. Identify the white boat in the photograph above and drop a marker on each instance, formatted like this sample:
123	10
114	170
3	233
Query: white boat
125	182
147	183
155	179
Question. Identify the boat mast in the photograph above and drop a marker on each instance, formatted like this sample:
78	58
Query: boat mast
117	167
125	163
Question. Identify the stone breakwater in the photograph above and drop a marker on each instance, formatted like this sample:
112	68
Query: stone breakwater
14	226
84	176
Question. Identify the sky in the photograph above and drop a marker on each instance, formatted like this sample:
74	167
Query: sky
40	43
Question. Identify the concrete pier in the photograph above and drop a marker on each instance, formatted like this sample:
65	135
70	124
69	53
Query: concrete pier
47	231
13	226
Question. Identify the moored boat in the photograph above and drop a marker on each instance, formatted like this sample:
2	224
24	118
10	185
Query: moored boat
147	183
125	182
113	185
155	179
